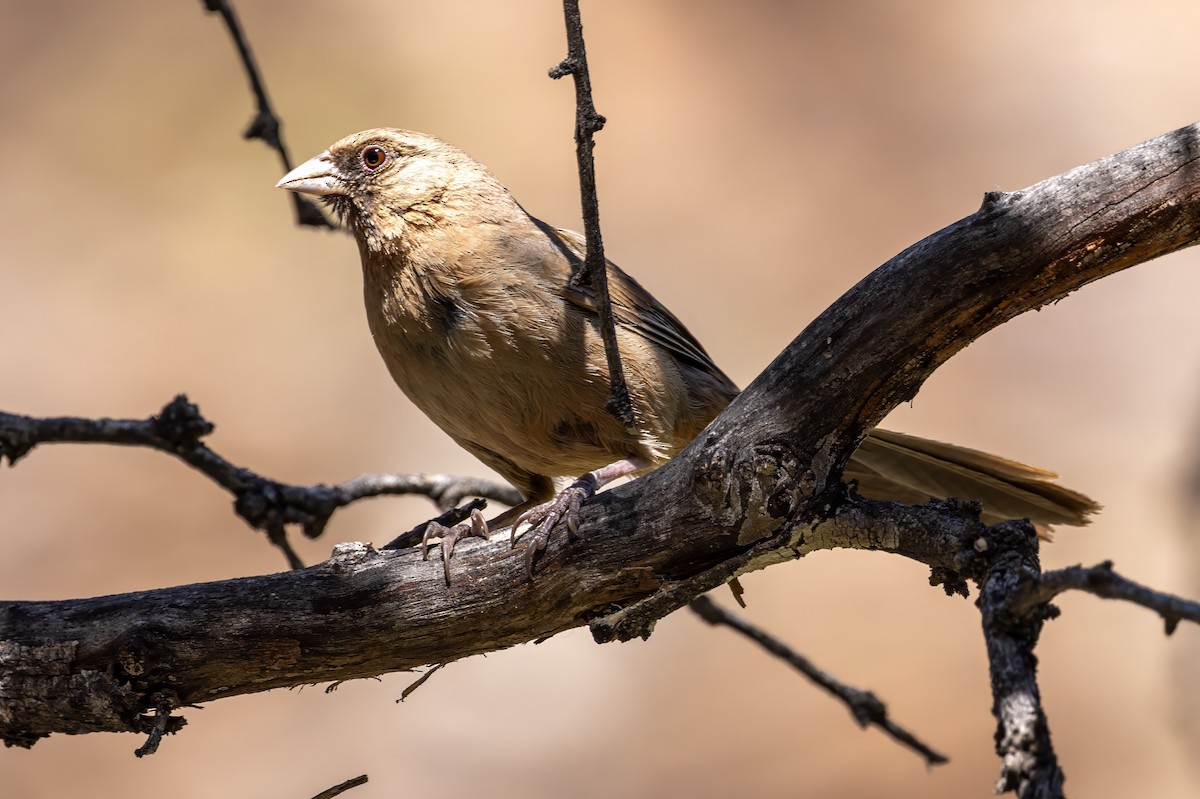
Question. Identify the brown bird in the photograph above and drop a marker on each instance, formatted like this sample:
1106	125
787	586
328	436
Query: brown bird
471	304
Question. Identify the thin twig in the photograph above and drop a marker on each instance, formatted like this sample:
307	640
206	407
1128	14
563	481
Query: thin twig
1102	581
163	722
594	269
265	126
341	788
432	670
264	504
866	708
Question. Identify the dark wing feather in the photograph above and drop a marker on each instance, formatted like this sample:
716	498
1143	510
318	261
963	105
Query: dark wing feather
634	308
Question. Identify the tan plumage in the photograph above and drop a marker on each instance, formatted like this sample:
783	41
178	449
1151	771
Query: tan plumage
904	468
471	304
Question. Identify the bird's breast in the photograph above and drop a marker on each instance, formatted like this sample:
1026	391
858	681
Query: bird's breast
511	374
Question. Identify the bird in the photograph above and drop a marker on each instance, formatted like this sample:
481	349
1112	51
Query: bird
474	307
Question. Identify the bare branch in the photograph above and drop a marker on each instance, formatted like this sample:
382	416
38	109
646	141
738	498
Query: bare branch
265	126
1102	581
594	270
866	708
760	486
264	504
341	788
1029	765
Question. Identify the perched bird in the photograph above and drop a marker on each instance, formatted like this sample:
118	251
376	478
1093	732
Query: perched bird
472	306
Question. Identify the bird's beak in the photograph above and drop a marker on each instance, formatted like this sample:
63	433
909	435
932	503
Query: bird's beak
317	176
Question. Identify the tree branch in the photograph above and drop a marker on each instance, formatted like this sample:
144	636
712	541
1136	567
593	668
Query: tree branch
759	486
866	708
341	788
264	504
265	126
1029	766
594	270
1102	581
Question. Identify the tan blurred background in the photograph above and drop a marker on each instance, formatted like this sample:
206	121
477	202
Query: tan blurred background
760	158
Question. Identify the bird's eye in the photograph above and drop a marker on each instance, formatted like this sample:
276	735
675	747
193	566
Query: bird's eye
373	157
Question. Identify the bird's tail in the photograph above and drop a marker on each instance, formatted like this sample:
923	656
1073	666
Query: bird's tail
904	468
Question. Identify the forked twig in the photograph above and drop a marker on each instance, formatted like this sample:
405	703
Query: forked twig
265	126
1100	580
264	504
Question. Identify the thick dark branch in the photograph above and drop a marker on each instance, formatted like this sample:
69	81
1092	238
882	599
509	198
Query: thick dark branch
1102	581
866	708
594	270
760	486
264	504
265	126
1015	602
1029	766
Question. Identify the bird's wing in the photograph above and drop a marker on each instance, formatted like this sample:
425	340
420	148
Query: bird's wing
633	307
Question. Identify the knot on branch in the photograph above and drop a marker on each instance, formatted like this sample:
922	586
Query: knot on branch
268	505
16	440
142	656
263	126
1101	577
950	581
349	555
754	491
590	121
1012	570
563	68
976	547
180	424
996	202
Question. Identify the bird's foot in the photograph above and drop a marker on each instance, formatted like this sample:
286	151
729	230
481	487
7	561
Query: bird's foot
542	518
475	527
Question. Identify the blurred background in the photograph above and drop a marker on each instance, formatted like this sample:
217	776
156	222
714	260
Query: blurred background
760	158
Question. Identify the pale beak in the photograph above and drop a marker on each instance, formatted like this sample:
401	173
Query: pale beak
317	176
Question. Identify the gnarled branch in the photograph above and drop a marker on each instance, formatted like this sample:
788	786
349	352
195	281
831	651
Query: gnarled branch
264	504
759	486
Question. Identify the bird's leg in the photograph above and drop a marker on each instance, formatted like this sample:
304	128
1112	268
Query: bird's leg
474	527
542	518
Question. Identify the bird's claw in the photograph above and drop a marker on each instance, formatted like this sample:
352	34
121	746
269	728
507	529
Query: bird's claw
542	518
475	527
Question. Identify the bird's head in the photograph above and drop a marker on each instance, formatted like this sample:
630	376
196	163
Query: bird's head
384	183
